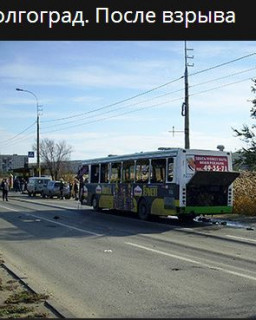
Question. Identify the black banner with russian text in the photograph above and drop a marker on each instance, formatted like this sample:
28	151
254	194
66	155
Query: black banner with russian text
127	20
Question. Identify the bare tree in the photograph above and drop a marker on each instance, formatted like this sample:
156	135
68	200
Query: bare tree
55	156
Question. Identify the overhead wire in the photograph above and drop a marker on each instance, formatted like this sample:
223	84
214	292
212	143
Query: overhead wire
218	87
17	135
146	107
27	137
153	98
153	89
223	64
15	140
118	102
114	116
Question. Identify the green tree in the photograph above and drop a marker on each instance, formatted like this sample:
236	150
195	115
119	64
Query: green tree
247	155
55	156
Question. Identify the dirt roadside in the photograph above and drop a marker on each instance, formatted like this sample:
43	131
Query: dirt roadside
19	301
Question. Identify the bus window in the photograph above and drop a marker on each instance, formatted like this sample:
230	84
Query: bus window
85	178
170	169
84	174
158	168
142	170
115	172
95	173
128	171
104	173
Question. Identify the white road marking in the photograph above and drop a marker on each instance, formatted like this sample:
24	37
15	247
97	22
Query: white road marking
239	274
58	223
52	203
240	238
11	209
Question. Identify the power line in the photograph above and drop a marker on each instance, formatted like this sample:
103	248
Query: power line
136	96
144	108
224	77
118	102
131	111
114	116
10	140
223	64
153	98
222	86
14	137
151	90
119	108
21	139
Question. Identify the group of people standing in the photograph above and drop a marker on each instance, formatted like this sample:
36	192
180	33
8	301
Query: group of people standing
5	186
73	189
19	184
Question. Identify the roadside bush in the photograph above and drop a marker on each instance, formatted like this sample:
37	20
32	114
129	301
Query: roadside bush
245	193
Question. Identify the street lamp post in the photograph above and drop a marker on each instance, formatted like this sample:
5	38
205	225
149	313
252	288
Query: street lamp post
37	131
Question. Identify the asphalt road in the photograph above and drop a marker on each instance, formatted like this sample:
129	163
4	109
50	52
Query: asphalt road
108	265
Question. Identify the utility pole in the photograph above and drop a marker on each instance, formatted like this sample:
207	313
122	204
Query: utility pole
185	105
37	131
37	142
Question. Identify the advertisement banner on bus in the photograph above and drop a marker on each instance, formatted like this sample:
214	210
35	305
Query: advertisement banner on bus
206	163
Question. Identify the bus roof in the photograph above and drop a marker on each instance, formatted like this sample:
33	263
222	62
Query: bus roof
168	152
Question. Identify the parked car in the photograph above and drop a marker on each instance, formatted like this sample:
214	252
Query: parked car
52	189
37	184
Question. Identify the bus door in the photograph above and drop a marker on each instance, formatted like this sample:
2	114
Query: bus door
123	198
118	190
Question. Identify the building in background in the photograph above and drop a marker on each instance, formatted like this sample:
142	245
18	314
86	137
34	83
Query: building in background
19	165
9	163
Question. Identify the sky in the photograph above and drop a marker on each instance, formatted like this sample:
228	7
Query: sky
119	97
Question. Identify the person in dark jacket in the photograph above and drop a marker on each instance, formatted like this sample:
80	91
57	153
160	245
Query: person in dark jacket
76	189
5	189
61	189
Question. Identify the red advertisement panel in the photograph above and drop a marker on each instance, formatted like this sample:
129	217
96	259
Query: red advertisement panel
211	163
206	163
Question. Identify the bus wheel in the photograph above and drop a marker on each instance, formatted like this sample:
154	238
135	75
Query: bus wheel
143	210
95	204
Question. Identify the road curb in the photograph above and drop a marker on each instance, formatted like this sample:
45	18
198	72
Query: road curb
54	306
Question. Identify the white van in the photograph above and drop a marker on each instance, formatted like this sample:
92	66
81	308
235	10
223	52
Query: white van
37	184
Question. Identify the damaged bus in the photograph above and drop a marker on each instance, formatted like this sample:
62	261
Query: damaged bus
179	182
